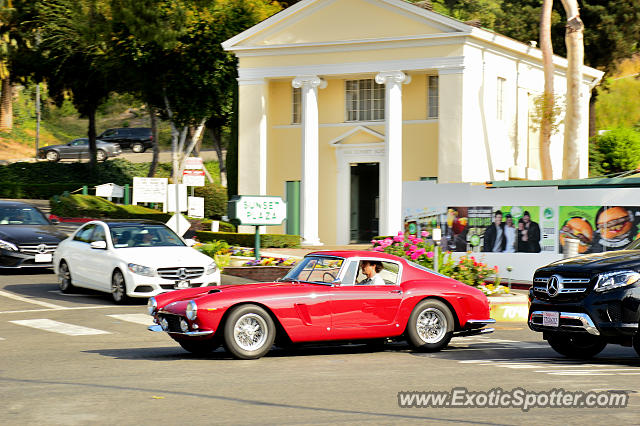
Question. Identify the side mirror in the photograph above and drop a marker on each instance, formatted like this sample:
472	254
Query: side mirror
54	221
190	242
100	245
336	283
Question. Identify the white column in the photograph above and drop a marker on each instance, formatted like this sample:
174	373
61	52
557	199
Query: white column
391	172
309	186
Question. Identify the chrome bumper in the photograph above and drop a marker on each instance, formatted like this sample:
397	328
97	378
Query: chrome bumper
586	323
157	328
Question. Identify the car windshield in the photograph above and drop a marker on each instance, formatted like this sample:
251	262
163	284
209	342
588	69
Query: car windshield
143	235
316	269
22	216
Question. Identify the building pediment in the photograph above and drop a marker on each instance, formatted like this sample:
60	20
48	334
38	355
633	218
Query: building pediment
360	135
335	21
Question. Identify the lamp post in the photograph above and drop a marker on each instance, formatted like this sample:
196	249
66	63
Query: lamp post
437	236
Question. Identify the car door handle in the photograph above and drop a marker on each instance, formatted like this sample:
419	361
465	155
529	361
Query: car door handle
396	291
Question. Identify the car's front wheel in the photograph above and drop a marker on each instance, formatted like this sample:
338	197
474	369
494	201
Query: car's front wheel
118	288
430	326
580	346
101	155
64	278
199	347
137	147
53	156
249	332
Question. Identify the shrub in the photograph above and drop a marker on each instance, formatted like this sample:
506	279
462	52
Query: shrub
247	240
215	200
224	226
614	151
76	205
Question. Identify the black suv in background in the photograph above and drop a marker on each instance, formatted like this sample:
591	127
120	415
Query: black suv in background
136	138
583	303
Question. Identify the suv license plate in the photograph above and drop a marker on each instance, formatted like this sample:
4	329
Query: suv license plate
182	284
550	319
42	257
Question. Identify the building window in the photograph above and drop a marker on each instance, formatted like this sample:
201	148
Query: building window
500	97
365	100
296	112
432	96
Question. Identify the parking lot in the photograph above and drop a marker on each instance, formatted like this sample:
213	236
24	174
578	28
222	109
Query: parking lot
79	359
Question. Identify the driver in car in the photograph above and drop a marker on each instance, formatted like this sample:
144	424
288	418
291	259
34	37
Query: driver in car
371	268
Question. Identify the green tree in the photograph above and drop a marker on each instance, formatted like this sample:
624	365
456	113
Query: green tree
614	151
76	56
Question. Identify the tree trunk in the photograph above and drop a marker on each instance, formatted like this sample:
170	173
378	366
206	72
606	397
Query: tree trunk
175	163
217	144
154	142
92	138
573	117
592	112
6	105
548	96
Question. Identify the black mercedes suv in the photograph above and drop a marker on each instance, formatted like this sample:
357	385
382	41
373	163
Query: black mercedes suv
136	138
583	303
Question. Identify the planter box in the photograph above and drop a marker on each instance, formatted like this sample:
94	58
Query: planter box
239	260
258	273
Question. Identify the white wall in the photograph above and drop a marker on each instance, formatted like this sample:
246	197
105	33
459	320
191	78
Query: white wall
419	196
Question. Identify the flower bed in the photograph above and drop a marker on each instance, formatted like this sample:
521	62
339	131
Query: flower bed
467	269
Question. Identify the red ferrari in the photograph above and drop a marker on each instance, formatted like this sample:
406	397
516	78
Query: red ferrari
328	296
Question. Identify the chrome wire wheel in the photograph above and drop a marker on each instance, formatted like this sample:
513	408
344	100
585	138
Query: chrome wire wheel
250	332
431	325
101	155
52	156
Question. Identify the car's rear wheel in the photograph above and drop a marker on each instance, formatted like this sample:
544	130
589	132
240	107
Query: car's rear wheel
199	347
64	278
249	332
430	326
581	346
137	147
101	155
119	288
53	156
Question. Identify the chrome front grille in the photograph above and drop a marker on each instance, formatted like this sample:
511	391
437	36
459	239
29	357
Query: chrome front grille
567	285
180	273
38	248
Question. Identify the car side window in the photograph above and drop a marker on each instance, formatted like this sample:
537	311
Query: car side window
350	275
98	234
108	133
389	273
84	234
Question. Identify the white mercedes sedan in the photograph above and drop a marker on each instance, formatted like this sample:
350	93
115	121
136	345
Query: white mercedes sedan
130	258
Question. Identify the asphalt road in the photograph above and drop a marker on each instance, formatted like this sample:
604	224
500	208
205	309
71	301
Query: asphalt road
78	359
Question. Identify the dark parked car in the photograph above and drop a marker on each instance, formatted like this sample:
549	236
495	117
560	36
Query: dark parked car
27	238
583	303
136	138
78	149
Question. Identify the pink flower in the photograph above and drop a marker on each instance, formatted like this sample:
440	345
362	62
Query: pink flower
401	234
406	245
414	256
379	248
429	255
420	251
424	234
413	248
398	238
418	240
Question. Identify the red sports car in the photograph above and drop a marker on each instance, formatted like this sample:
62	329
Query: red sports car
325	297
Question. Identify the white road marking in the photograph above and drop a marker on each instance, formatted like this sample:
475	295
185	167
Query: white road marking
136	318
75	294
59	327
76	308
556	367
26	300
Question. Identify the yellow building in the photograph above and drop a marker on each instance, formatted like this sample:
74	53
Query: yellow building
343	100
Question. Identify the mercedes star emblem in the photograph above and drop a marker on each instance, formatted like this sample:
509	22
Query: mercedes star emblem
182	274
554	285
42	248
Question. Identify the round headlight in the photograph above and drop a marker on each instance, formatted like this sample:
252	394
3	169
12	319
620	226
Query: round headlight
164	324
184	326
152	306
192	310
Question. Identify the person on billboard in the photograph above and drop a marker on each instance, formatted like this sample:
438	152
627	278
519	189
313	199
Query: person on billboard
494	239
615	229
530	234
509	234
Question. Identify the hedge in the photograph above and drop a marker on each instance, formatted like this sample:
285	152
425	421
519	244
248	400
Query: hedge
223	226
76	205
37	190
248	240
